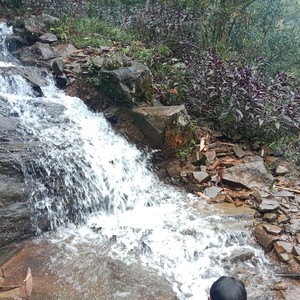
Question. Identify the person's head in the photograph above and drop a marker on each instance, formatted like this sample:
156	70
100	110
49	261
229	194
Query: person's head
228	288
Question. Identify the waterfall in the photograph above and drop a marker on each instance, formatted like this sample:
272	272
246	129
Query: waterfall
99	194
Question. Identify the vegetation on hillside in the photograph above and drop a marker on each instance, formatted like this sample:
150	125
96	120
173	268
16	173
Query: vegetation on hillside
234	63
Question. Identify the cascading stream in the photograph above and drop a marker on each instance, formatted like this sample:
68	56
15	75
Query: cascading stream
99	194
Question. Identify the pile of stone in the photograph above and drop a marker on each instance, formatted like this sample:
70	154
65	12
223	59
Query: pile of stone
227	172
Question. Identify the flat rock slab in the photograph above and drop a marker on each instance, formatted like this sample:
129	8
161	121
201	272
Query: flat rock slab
59	273
268	205
250	175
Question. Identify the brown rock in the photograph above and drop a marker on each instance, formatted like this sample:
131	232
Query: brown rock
165	127
238	203
239	152
210	155
269	217
298	237
200	177
283	247
272	229
279	286
264	239
282	218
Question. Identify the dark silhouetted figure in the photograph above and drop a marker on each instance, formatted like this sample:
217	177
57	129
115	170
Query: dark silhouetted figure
228	288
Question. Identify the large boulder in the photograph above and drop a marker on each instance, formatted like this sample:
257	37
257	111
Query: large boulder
165	127
31	28
122	80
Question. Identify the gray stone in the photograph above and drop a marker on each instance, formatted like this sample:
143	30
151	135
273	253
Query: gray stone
165	127
212	191
58	66
64	50
48	38
293	227
281	170
125	83
251	175
200	177
284	194
98	62
44	51
268	205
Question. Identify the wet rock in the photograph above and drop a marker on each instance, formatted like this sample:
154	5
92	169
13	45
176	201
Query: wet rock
44	51
200	177
268	205
61	81
58	66
174	170
250	175
34	76
165	127
241	255
293	227
272	229
264	239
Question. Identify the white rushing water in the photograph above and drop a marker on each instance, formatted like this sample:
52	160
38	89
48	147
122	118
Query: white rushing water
98	192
